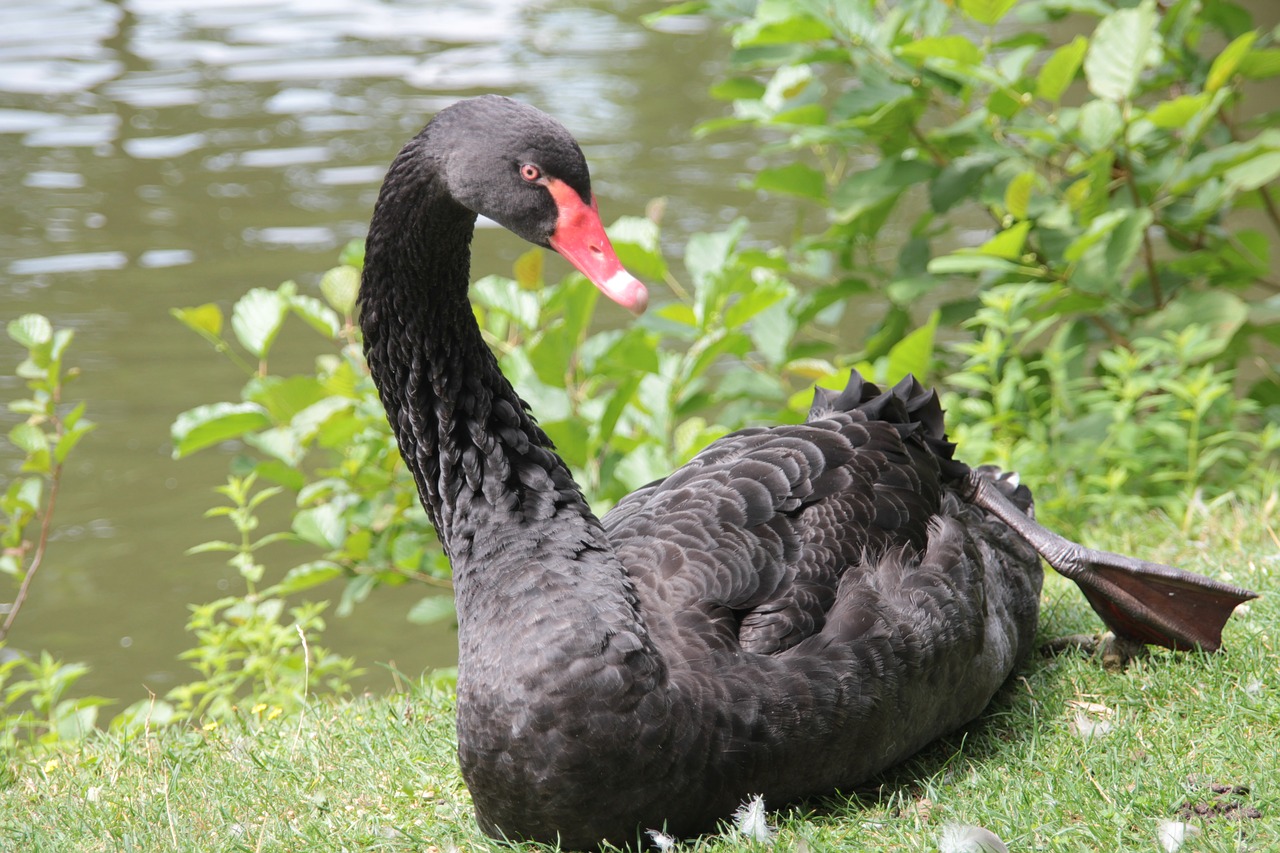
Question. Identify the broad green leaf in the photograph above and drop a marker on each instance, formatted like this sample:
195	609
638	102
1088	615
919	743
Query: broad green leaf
1008	243
1228	61
1100	124
1060	69
1017	195
955	48
975	263
1259	64
317	315
527	270
1222	312
505	296
1254	173
432	609
29	438
987	12
31	330
324	525
204	426
793	179
1099	228
257	317
278	442
205	320
738	89
1124	44
1126	239
284	397
304	577
340	287
959	179
1177	112
914	353
70	438
773	329
571	438
636	240
864	191
779	22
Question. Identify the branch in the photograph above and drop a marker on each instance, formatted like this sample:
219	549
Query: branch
37	558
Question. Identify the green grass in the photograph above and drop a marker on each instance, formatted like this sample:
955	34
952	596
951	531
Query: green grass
379	773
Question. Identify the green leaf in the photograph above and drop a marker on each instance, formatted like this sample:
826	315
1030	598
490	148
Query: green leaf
955	48
738	89
1222	312
304	577
1228	61
29	438
1254	173
527	269
1060	69
70	438
257	317
914	353
205	320
959	179
31	330
976	263
1126	239
793	179
779	22
340	287
1100	124
1259	64
1008	243
636	241
1124	44
1017	195
432	609
198	428
987	12
1177	112
317	315
324	525
864	191
505	296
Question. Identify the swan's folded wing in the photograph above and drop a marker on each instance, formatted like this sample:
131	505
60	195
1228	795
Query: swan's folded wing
746	544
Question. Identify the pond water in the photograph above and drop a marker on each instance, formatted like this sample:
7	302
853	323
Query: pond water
164	153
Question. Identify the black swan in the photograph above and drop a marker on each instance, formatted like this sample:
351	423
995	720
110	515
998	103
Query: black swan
793	611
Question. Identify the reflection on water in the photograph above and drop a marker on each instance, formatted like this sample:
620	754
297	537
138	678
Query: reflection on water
162	153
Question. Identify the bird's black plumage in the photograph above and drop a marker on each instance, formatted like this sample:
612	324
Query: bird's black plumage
796	609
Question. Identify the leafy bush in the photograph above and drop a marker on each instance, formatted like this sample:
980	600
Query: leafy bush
965	160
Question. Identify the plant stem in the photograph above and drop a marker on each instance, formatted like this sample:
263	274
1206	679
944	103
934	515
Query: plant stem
46	524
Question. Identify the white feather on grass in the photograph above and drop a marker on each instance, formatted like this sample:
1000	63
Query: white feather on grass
751	822
960	838
662	841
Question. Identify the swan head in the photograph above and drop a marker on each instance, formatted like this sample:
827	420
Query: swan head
521	168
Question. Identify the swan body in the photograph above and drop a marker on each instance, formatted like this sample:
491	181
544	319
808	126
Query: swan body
795	610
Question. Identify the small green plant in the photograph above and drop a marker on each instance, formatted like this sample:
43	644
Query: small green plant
34	707
1157	423
247	649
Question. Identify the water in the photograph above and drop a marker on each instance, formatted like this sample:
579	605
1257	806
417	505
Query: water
164	153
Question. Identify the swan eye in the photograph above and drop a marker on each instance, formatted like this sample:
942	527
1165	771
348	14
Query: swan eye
530	172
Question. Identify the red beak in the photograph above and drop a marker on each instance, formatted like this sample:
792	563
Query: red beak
580	238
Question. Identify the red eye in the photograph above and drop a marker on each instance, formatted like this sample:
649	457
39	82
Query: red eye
530	172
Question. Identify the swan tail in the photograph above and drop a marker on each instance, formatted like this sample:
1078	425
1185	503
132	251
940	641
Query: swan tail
1138	600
